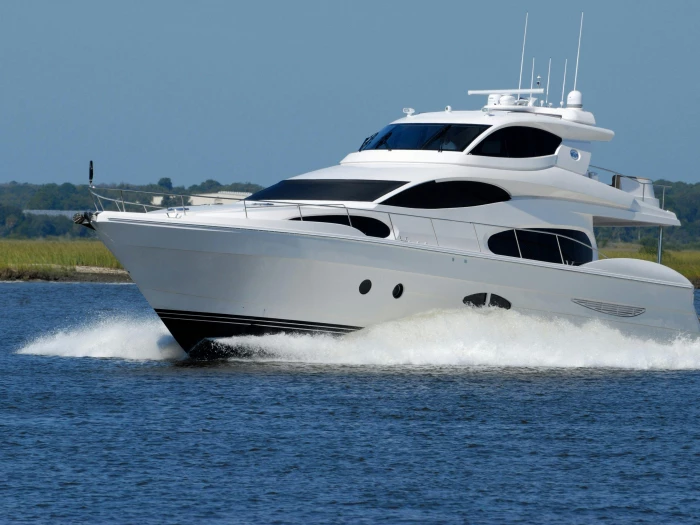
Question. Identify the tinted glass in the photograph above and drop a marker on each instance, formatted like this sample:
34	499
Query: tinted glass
518	142
450	194
327	190
575	253
543	246
440	137
477	299
367	225
498	301
504	243
539	246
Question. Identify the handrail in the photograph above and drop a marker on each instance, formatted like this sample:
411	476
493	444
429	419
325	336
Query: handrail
347	209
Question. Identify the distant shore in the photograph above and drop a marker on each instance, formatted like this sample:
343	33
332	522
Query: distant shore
78	274
59	260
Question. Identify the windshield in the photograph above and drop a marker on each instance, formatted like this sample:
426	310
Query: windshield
435	137
327	190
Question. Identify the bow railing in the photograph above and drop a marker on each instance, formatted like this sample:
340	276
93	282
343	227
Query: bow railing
395	221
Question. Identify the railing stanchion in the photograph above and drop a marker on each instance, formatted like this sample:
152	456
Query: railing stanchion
392	225
348	212
476	236
437	243
182	202
561	254
515	232
301	217
121	192
245	209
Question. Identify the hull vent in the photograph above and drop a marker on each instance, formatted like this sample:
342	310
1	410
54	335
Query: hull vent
618	310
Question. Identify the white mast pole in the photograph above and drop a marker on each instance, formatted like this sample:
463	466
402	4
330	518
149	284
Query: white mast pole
522	56
580	32
563	87
549	71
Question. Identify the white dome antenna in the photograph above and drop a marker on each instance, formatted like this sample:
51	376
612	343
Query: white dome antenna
409	111
574	100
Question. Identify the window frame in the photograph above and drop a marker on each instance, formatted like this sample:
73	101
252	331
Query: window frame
564	251
390	186
443	128
495	129
484	185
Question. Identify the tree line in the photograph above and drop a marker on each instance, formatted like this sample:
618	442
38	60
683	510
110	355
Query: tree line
682	198
17	197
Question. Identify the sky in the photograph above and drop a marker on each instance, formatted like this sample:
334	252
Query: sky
262	91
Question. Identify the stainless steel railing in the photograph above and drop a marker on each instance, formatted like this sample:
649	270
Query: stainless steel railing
121	204
646	184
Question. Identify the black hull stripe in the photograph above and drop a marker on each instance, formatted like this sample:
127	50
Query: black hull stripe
288	327
288	324
194	331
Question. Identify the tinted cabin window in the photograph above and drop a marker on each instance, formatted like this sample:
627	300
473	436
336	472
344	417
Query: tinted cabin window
518	142
575	253
436	137
450	194
539	245
367	225
504	243
498	301
327	190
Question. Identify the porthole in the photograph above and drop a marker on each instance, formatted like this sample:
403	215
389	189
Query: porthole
365	286
499	302
477	299
398	291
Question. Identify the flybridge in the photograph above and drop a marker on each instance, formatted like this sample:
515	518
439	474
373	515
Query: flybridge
510	100
505	100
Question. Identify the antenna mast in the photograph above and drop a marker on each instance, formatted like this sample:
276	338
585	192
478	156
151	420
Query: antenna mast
532	75
549	71
563	87
522	56
580	32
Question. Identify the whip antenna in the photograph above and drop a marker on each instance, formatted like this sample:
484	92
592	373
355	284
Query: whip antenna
522	56
563	87
580	32
549	71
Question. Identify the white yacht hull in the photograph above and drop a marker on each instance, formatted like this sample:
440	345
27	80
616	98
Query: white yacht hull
209	281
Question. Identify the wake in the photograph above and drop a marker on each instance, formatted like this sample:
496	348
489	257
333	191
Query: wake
466	337
120	337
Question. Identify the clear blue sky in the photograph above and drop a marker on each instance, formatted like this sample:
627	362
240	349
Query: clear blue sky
260	91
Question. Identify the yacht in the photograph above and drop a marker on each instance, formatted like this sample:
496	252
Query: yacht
492	208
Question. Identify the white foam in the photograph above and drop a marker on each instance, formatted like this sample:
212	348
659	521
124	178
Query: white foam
466	337
124	338
479	337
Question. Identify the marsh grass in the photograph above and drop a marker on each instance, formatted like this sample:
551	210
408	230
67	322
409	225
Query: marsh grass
59	255
685	262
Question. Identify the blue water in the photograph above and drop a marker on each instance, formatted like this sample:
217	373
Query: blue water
451	417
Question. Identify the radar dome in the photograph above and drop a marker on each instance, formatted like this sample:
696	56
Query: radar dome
574	100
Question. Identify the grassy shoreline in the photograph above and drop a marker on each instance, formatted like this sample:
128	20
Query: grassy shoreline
685	262
57	260
64	261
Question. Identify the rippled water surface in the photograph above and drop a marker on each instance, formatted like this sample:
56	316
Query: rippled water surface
449	417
